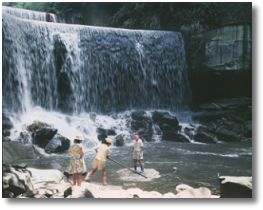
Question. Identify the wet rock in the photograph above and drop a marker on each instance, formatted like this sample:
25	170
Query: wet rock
6	122
25	137
107	132
227	135
189	131
7	125
42	136
169	126
58	144
235	187
119	140
161	118
172	136
205	137
204	134
36	125
248	129
16	181
141	124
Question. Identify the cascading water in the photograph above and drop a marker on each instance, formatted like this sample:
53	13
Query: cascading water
78	69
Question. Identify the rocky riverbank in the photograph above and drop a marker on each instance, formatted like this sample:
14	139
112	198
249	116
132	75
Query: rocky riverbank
19	181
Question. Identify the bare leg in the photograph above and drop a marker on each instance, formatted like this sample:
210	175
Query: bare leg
74	179
90	174
79	179
141	165
104	176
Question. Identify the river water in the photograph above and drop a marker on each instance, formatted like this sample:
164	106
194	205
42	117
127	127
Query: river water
197	165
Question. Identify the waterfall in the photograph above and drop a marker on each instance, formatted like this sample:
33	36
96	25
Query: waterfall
74	68
31	15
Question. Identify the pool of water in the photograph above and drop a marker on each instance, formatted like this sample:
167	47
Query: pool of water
176	163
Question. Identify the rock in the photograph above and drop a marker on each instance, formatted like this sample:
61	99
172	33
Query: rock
185	191
119	140
68	192
16	181
138	115
6	123
6	126
235	187
189	131
169	126
102	137
227	135
42	136
58	144
141	124
36	125
248	129
88	194
161	118
107	132
204	135
172	136
208	117
25	137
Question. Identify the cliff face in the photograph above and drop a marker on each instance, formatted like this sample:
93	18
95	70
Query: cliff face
220	63
225	48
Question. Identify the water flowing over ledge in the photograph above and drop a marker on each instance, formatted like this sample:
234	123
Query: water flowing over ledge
73	68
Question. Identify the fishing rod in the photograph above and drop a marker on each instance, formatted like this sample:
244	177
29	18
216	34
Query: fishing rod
127	168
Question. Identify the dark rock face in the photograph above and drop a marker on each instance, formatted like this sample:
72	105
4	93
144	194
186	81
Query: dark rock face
119	140
235	187
16	181
58	144
42	136
141	124
228	120
220	63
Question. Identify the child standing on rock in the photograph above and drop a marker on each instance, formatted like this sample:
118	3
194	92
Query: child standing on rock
137	152
77	164
99	163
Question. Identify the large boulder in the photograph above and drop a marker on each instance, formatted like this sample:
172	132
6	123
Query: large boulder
141	124
42	136
169	126
119	140
58	144
166	118
235	187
